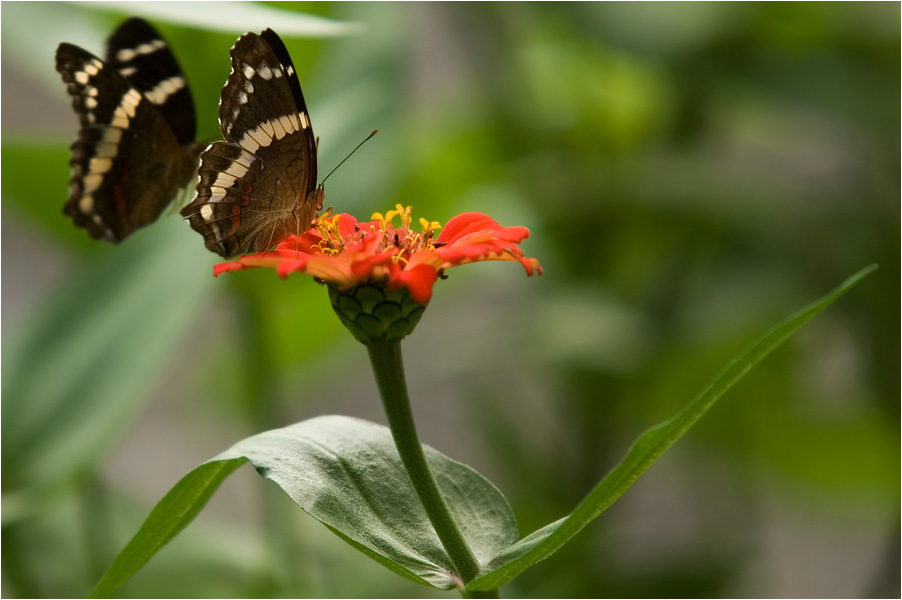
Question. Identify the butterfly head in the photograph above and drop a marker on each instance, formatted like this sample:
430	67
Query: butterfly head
308	211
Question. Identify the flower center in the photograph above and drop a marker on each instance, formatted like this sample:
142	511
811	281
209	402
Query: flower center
400	241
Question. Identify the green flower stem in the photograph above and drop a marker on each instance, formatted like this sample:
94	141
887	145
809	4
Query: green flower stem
389	371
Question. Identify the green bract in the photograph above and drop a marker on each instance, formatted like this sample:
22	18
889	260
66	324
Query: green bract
375	313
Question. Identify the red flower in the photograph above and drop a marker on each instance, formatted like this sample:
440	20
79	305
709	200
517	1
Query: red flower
345	253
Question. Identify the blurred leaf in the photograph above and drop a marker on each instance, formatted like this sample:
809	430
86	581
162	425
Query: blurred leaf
170	516
240	16
77	367
646	450
35	181
35	30
347	474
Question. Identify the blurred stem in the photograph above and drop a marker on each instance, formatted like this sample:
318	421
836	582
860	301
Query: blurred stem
260	398
95	511
262	412
19	580
388	368
886	578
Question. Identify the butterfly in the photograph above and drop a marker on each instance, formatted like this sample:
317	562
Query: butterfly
259	185
135	148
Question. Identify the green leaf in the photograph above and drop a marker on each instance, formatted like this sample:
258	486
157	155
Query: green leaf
645	451
170	516
78	366
347	474
37	183
251	16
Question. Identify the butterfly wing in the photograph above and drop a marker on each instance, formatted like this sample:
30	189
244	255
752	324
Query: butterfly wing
126	163
259	185
143	57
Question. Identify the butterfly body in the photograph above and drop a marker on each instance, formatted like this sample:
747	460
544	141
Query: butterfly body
258	186
135	147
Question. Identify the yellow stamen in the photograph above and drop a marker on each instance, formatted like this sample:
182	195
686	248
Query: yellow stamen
404	213
389	217
327	226
414	240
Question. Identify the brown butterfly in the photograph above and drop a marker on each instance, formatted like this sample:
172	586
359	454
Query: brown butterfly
135	149
259	185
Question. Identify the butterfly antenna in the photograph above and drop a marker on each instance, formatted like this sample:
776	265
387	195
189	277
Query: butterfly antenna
321	183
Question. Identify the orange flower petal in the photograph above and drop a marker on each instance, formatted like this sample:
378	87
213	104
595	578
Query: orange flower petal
353	252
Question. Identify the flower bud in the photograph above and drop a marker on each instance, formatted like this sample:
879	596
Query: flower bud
373	312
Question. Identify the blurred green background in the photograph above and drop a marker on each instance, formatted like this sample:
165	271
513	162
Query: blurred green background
691	174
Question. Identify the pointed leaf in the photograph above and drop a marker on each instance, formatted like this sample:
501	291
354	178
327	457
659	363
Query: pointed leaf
346	473
247	16
645	451
170	516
